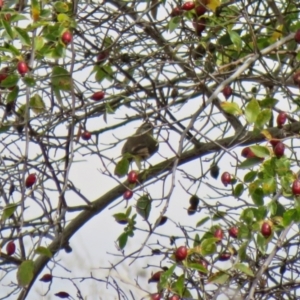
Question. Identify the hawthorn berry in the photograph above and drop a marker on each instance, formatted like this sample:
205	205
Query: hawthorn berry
226	178
30	180
181	253
188	5
233	232
227	91
296	187
128	194
132	177
279	149
98	96
219	234
297	36
10	248
281	119
22	68
266	229
67	37
86	135
46	278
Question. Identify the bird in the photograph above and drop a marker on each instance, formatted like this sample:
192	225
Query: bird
142	144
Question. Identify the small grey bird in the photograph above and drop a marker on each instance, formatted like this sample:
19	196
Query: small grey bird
141	144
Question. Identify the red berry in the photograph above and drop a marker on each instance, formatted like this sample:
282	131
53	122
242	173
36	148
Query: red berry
46	278
188	5
86	135
281	119
176	12
22	68
128	194
155	277
224	256
162	221
67	37
296	77
10	248
181	253
174	297
132	177
247	153
227	91
219	234
274	142
30	180
266	229
279	149
98	96
200	10
199	25
155	297
226	178
1	3
102	56
297	36
296	187
233	232
3	74
62	295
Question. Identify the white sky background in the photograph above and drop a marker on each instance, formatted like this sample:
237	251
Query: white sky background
93	242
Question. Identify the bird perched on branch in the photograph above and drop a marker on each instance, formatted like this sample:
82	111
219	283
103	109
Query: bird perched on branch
142	145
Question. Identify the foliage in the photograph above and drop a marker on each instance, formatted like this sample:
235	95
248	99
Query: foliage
172	69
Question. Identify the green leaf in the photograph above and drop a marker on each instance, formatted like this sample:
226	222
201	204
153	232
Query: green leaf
247	215
122	239
43	251
251	111
262	243
290	216
39	43
23	36
236	39
29	81
61	79
173	23
218	278
208	246
198	267
63	18
258	197
250	176
8	211
165	276
219	215
179	285
25	273
260	151
242	251
238	191
268	103
8	29
269	185
37	104
196	240
245	269
201	222
249	163
231	108
143	206
10	81
13	95
4	128
263	118
122	167
61	7
244	231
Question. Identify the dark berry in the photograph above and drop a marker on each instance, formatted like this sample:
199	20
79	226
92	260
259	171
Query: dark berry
98	96
279	150
281	119
181	253
30	180
227	91
266	229
296	187
226	178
